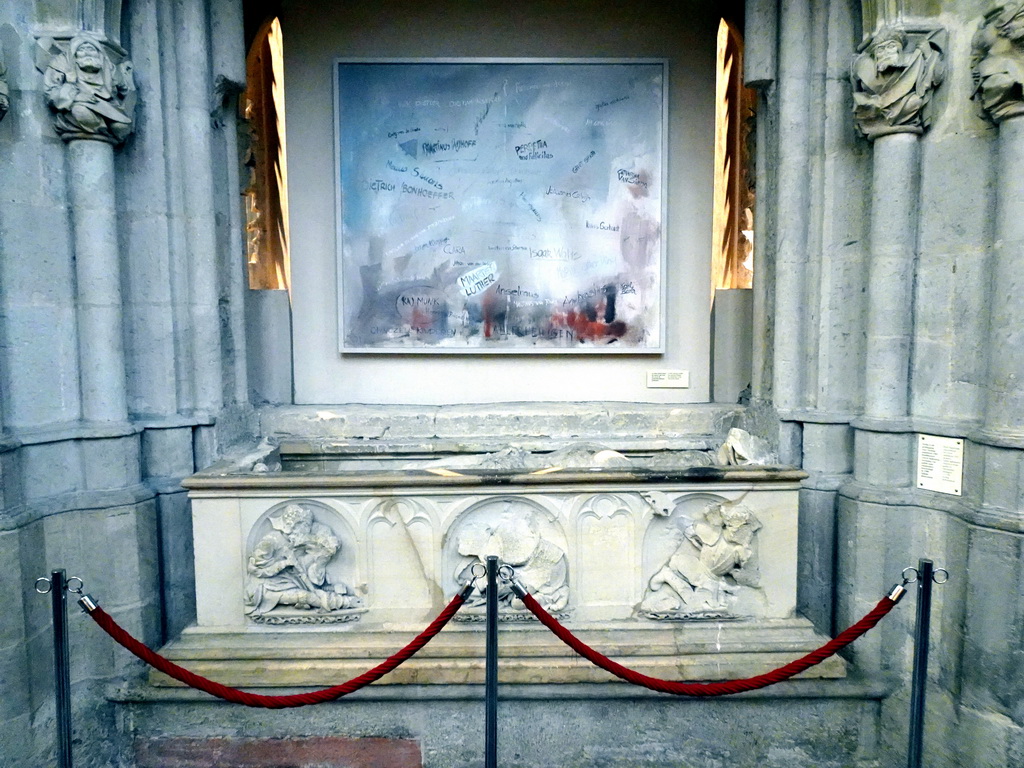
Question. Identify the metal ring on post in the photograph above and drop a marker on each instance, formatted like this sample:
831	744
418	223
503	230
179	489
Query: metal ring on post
476	571
906	579
76	590
508	575
935	575
45	581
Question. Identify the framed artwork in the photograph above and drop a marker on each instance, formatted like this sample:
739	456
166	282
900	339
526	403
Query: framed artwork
501	206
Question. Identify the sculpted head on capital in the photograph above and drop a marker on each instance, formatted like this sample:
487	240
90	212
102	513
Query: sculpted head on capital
87	55
887	50
893	81
91	93
998	58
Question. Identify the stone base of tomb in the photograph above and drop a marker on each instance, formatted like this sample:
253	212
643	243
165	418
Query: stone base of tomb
315	559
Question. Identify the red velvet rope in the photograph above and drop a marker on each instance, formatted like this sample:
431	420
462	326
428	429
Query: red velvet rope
711	689
193	680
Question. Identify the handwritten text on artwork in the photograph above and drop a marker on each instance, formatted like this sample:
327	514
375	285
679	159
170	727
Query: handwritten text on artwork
477	280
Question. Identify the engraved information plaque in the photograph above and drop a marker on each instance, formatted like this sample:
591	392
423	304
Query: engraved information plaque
940	464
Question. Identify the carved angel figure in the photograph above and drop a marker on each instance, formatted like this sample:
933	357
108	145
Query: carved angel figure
893	81
93	97
998	58
517	540
710	566
289	566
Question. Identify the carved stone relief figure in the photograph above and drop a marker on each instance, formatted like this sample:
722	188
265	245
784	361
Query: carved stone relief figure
287	569
712	573
893	82
5	93
580	455
92	94
521	536
998	61
743	449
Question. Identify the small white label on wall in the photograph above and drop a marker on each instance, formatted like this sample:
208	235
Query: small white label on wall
940	464
668	379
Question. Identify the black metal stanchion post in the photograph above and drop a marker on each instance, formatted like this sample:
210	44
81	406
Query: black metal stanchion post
919	676
61	665
491	667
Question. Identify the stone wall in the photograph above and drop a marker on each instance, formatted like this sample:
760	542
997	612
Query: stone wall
122	362
887	286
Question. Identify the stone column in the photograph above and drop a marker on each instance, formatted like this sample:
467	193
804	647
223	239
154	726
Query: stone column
153	371
999	53
97	269
192	53
793	204
893	81
1004	406
227	55
89	86
5	104
893	246
760	62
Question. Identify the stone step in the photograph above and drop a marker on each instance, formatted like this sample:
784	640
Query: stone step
528	654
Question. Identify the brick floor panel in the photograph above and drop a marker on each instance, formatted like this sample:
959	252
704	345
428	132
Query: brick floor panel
325	752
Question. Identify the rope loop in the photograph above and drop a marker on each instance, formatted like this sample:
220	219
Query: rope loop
723	688
169	668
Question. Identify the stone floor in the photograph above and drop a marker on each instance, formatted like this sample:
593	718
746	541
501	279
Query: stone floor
797	724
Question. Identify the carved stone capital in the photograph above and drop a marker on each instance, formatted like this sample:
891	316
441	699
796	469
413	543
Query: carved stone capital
997	58
224	96
90	87
894	78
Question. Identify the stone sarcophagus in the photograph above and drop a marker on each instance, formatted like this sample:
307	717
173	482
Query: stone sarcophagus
314	563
